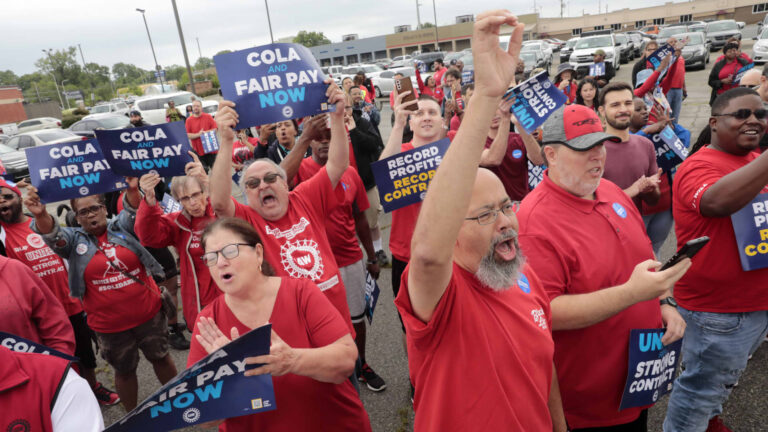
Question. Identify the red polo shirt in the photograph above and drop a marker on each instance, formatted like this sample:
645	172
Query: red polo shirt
513	171
715	282
196	124
579	246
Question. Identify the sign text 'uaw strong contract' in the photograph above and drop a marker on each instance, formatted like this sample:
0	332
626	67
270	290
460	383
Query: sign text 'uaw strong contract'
272	83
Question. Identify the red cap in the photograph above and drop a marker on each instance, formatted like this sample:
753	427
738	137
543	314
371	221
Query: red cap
11	186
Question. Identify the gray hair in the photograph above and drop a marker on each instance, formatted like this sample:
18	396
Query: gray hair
280	171
179	182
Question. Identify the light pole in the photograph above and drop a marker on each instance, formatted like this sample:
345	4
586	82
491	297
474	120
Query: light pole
157	66
269	21
61	102
184	48
434	11
63	89
418	16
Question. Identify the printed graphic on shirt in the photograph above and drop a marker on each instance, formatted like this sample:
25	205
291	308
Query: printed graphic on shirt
539	318
112	277
301	259
289	234
620	210
35	240
522	282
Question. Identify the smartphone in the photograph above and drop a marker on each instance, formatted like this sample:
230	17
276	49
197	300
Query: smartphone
404	84
688	250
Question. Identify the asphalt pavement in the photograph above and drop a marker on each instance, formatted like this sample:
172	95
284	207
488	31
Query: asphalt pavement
390	410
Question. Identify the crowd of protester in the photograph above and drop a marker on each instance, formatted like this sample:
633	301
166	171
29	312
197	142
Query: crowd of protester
516	304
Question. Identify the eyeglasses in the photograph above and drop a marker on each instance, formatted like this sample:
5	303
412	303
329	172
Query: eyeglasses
194	196
489	217
745	113
230	251
7	197
254	182
83	212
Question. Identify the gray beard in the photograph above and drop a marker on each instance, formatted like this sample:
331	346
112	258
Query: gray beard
496	274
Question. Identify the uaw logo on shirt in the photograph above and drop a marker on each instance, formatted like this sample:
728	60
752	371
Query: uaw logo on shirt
35	241
301	259
539	318
290	233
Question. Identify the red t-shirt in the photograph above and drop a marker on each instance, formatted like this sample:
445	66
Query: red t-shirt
341	228
113	301
303	318
579	246
484	360
627	161
297	244
403	224
715	282
513	170
25	245
241	152
729	69
195	124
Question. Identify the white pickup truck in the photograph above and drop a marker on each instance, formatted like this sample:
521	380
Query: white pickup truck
9	129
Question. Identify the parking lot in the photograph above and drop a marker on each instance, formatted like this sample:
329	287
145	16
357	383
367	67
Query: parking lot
391	410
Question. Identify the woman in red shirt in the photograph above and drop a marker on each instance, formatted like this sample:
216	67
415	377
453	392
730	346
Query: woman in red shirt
312	354
565	82
723	72
429	88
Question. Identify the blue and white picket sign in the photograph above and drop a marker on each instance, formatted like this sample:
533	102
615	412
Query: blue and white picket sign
467	76
652	368
371	296
403	179
210	142
750	226
19	344
740	73
169	204
657	56
71	170
162	149
535	174
535	100
670	150
597	69
272	83
214	388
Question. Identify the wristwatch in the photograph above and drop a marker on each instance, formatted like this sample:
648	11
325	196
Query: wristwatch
373	261
668	301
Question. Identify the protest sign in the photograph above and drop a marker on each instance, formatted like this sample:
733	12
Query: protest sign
652	368
657	56
670	150
71	170
169	204
214	388
210	142
403	179
740	73
19	344
535	100
597	69
750	226
371	296
467	77
272	83
535	174
161	149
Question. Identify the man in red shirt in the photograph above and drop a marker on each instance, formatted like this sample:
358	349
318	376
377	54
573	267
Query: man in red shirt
23	244
587	242
292	224
726	308
479	343
507	153
197	124
439	71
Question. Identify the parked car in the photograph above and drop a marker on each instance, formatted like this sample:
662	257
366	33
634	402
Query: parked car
4	138
666	32
41	137
383	62
152	108
384	83
118	107
700	26
760	49
626	51
430	57
565	52
718	32
533	60
38	124
89	124
557	44
453	56
14	161
583	52
541	45
696	51
762	24
638	43
400	61
651	29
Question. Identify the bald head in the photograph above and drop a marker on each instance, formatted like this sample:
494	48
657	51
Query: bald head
751	78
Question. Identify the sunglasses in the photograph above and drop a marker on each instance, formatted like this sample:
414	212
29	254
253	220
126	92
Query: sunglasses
745	113
83	212
254	182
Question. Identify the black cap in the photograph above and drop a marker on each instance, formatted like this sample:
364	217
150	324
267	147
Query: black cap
135	113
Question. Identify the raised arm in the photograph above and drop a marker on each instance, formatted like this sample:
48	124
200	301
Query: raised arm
221	190
494	155
312	129
396	134
338	150
735	190
447	200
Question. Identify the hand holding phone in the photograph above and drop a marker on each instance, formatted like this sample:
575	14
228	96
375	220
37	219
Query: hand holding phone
403	85
688	250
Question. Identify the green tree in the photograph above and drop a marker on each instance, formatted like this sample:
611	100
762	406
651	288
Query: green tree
126	73
174	72
310	39
223	52
8	77
427	25
203	63
62	63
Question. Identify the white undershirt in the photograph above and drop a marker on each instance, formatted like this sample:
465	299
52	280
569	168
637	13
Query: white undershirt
76	407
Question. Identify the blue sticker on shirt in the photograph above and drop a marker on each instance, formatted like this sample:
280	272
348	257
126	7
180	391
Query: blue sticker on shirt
517	153
620	210
522	282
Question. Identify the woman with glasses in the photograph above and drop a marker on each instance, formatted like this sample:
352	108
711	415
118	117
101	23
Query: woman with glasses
112	273
183	230
312	353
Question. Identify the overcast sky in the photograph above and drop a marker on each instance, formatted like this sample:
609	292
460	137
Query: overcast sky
113	31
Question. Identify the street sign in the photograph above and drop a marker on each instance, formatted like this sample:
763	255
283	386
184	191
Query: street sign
73	94
160	74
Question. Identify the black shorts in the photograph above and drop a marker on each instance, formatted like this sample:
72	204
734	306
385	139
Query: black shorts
398	267
83	341
165	258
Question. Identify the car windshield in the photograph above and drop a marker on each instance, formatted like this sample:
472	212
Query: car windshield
571	43
594	42
117	122
693	38
372	68
764	34
722	26
467	60
529	58
52	135
181	99
100	109
621	38
5	149
670	31
532	47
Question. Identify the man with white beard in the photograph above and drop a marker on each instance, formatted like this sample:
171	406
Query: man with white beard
587	242
476	317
